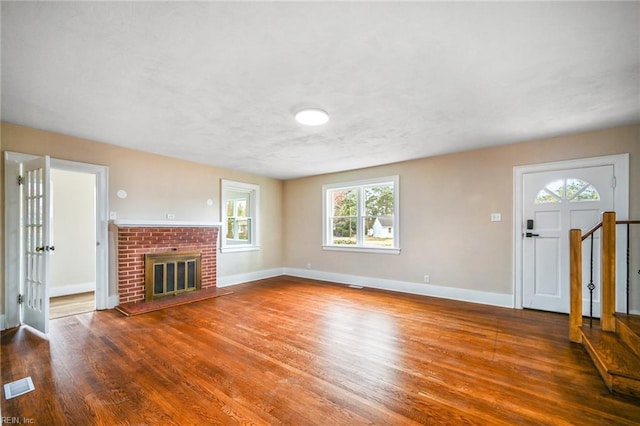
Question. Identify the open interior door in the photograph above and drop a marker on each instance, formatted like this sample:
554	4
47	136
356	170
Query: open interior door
36	220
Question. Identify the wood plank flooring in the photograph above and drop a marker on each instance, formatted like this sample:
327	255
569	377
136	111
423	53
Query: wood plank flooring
299	352
138	308
72	304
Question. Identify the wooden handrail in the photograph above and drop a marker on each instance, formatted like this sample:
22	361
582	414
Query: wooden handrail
599	225
627	222
608	273
591	231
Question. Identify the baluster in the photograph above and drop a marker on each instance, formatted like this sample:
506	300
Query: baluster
591	285
628	263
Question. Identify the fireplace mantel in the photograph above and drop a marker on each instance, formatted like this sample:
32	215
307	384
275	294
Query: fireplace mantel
143	223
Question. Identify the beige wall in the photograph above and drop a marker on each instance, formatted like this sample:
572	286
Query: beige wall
157	185
445	207
2	267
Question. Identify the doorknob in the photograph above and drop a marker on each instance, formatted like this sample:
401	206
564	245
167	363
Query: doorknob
45	248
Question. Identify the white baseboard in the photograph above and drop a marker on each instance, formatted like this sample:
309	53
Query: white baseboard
465	295
71	289
2	322
249	276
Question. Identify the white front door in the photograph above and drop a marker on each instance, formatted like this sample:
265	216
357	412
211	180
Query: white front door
553	203
36	202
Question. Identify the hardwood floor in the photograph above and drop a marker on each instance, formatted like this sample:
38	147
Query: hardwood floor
298	352
72	304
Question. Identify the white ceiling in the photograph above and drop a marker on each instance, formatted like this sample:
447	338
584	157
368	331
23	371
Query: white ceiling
219	83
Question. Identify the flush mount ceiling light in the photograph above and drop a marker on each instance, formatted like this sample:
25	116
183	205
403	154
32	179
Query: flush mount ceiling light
312	117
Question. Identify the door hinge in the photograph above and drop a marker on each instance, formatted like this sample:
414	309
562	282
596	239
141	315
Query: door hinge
20	299
20	180
613	182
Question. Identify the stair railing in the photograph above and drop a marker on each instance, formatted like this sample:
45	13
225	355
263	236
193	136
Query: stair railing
628	224
608	274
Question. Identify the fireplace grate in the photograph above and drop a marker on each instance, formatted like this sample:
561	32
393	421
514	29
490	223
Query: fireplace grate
170	274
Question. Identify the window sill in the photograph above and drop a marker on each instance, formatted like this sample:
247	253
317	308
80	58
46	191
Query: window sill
363	249
238	249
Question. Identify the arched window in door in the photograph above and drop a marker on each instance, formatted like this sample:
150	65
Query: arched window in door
571	190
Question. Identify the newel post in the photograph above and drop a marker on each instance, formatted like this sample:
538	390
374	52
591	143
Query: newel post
608	271
575	275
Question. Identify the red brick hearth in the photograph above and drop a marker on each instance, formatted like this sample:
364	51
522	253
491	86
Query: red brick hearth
135	242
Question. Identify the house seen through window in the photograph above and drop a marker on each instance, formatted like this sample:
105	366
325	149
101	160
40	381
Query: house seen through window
362	215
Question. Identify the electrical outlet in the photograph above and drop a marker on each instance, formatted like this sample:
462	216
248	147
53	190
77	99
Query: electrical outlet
113	215
171	216
309	265
426	279
496	217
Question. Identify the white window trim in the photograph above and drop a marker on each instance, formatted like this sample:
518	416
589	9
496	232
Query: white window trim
254	205
326	213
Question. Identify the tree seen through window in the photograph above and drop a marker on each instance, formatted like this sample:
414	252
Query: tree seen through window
363	215
572	190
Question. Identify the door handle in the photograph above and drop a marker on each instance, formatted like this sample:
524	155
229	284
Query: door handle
529	235
45	248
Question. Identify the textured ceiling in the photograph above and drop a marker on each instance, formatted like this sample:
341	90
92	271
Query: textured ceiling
219	83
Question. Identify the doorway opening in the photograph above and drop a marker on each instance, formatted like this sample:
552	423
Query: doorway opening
73	234
27	269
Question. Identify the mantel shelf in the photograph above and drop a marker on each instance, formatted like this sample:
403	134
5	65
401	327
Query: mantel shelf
143	223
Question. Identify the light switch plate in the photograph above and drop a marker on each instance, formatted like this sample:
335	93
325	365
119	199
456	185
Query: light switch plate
496	217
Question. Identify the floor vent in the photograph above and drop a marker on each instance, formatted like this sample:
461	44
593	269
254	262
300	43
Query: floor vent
19	387
354	286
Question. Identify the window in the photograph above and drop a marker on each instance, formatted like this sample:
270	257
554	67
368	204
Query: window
362	216
573	190
239	216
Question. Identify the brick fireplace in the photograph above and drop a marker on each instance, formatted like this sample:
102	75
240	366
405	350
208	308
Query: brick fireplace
134	241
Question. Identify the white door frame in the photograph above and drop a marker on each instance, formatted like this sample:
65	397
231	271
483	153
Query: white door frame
12	233
620	165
